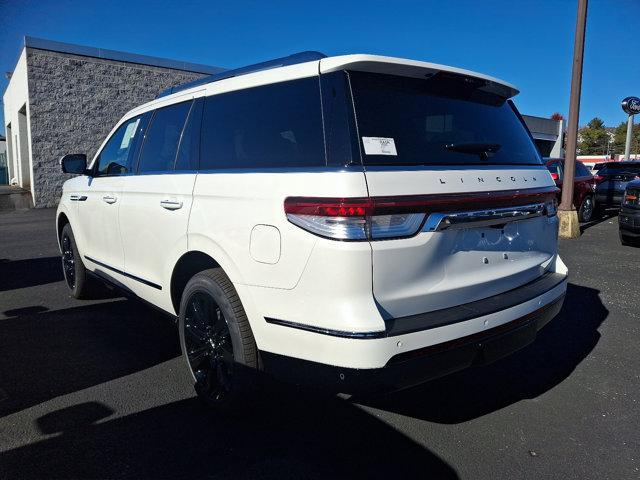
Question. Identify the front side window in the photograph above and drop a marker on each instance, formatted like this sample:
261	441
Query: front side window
161	141
442	120
277	125
118	155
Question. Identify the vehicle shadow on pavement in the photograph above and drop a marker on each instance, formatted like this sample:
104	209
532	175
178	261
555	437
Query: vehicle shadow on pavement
291	433
558	350
30	272
44	355
608	215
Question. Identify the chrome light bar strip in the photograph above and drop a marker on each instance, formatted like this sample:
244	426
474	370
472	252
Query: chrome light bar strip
481	218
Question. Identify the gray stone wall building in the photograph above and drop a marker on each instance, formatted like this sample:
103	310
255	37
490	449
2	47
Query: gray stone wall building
64	98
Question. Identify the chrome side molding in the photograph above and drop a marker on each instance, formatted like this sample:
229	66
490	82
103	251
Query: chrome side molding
482	218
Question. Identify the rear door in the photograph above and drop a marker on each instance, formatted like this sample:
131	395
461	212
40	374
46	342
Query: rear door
448	147
157	200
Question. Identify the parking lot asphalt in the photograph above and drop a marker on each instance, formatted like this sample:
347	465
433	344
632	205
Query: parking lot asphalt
97	389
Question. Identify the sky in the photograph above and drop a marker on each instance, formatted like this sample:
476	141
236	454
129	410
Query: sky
528	43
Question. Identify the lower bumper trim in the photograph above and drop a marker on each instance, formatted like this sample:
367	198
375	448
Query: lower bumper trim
418	366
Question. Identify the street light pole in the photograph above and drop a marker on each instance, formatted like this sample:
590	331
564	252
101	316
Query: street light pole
569	227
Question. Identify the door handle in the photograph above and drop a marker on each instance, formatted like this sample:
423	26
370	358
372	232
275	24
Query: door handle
109	199
171	204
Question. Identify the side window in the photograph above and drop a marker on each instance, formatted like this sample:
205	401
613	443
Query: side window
119	153
555	168
278	125
189	148
581	170
161	141
339	123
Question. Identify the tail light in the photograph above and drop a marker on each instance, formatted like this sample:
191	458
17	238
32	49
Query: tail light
350	218
630	198
377	218
599	178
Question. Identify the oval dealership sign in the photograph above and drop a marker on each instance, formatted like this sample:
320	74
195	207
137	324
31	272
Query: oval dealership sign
631	105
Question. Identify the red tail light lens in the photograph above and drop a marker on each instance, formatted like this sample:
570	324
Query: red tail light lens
376	218
599	178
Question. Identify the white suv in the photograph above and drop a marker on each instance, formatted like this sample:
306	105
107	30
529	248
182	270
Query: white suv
354	222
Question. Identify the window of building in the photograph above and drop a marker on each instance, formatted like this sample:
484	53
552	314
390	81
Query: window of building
278	125
162	137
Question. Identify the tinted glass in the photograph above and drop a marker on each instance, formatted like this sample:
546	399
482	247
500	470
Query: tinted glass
161	141
618	168
555	168
444	119
119	153
581	170
339	122
189	149
278	125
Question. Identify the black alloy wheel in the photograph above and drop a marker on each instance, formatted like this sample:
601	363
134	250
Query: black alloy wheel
68	261
586	209
208	347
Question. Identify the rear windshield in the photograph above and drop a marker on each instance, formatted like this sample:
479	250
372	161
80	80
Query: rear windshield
619	168
441	120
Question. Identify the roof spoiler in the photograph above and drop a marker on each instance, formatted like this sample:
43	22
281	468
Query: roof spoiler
293	59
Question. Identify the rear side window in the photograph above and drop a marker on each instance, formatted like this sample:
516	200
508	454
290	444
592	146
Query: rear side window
581	170
119	153
161	141
189	147
277	125
442	120
555	168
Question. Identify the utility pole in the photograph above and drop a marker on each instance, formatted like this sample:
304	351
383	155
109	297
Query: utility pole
569	227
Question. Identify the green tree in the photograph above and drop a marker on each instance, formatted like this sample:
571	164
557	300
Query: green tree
593	139
620	138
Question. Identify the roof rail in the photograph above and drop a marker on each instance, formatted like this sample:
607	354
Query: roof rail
293	59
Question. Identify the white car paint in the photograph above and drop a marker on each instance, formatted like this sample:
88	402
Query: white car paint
282	271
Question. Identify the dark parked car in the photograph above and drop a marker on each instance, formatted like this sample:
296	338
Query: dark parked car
629	217
611	181
583	186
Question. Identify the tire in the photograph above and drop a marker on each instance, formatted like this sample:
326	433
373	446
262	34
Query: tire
217	343
627	241
75	273
586	210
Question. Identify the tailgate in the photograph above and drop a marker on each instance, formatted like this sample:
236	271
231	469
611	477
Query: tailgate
469	260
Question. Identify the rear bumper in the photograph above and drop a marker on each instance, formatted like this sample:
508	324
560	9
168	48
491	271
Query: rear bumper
418	366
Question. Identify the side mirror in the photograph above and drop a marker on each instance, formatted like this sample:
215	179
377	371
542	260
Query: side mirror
74	163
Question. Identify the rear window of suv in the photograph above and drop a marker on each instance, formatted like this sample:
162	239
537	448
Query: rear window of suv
442	120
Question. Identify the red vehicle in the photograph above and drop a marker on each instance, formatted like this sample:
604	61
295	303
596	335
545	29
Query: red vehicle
584	185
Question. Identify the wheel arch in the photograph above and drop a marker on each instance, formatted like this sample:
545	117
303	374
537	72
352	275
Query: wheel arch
61	221
188	265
